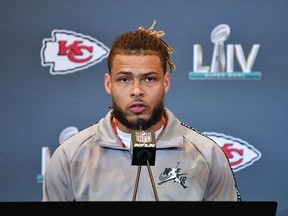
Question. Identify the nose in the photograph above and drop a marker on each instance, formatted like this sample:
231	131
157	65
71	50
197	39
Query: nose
137	90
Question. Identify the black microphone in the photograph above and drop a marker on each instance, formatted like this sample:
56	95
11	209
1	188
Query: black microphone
143	145
143	153
141	124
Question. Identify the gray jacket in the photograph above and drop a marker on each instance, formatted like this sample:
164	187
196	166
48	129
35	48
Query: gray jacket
93	166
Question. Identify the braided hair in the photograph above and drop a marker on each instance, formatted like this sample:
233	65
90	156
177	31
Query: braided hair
143	42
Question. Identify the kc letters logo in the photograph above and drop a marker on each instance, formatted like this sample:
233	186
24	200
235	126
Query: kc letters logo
240	153
222	66
68	52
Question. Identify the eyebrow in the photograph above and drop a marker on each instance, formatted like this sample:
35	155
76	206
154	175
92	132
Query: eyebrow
141	74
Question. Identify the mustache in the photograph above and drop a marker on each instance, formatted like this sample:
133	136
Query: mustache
136	100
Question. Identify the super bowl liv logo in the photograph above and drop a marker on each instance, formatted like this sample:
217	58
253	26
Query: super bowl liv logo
222	67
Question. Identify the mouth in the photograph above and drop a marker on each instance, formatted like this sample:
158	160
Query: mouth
137	107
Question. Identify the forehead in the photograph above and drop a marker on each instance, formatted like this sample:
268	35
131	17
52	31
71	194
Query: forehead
131	63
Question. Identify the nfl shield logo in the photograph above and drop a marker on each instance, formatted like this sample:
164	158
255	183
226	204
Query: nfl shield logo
143	136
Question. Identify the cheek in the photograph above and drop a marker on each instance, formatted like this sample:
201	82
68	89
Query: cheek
157	95
119	95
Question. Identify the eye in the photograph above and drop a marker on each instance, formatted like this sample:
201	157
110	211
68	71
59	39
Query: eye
123	79
150	79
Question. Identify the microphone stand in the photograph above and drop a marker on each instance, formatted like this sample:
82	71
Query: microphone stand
151	179
136	183
146	158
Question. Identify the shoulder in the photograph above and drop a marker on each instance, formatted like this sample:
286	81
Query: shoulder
206	146
84	140
71	146
179	129
194	135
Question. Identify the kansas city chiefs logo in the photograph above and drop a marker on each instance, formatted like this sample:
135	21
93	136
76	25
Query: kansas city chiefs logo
68	52
240	153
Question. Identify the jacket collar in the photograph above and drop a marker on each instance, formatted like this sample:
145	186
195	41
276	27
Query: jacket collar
170	136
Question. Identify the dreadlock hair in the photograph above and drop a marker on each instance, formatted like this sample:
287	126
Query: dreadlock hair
142	42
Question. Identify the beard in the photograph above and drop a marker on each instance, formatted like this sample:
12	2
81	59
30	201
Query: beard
155	117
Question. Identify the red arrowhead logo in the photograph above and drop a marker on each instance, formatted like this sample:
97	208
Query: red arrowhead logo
68	52
239	152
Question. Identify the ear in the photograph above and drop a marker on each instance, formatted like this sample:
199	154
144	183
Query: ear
167	82
107	83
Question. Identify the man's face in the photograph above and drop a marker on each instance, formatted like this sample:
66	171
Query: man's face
137	85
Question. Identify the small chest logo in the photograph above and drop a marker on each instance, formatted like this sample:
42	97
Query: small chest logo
173	174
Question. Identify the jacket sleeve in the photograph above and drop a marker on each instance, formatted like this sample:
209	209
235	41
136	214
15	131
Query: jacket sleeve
222	183
57	184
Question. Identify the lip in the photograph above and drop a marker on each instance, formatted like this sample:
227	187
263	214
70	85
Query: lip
137	107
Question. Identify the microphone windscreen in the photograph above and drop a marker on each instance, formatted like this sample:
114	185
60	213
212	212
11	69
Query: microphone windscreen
141	124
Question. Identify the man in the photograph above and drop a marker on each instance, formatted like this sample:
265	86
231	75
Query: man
95	164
